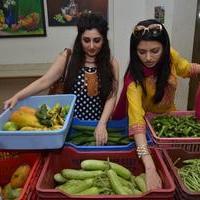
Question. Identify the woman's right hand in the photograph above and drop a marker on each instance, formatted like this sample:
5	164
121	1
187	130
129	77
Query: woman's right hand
10	103
153	180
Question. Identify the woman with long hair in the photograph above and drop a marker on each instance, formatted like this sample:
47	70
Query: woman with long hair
150	84
92	75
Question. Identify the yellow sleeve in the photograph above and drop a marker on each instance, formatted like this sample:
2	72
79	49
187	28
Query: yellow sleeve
180	64
135	110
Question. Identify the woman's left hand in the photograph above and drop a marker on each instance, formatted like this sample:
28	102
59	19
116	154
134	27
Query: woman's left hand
101	134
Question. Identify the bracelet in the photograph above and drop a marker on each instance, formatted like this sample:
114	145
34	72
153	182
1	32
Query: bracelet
142	150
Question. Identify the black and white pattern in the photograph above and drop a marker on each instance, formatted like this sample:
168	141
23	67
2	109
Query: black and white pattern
86	107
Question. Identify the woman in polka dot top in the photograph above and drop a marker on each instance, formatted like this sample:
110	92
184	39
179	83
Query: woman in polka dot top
92	75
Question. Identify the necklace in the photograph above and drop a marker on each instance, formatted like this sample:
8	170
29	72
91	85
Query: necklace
90	69
91	80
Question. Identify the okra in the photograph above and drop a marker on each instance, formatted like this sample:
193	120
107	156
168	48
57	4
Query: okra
78	174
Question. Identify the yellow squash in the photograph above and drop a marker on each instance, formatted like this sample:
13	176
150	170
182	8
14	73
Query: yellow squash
21	119
20	176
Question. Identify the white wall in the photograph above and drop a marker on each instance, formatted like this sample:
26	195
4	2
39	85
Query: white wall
126	14
182	39
123	15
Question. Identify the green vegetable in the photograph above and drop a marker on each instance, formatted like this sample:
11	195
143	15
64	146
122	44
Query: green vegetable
90	191
43	117
10	126
94	165
120	170
126	183
59	178
136	192
127	190
92	128
64	111
141	183
190	174
133	181
80	174
54	110
115	183
176	126
102	165
73	189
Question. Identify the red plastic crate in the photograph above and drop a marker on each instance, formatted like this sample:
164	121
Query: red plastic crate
9	164
191	144
71	158
170	156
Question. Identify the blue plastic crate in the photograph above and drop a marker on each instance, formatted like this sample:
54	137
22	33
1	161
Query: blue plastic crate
53	139
121	124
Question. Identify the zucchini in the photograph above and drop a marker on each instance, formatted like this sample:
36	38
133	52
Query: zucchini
94	165
126	183
59	178
127	190
141	183
89	191
73	189
136	192
78	174
102	165
115	183
121	171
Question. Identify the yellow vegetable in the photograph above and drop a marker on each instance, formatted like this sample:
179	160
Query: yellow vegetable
28	109
21	119
20	176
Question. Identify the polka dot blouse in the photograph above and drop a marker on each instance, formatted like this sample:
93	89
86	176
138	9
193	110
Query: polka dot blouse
86	107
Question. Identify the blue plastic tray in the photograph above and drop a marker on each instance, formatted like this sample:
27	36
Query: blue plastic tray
37	139
121	124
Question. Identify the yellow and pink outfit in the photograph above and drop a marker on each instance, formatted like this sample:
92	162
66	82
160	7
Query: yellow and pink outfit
135	103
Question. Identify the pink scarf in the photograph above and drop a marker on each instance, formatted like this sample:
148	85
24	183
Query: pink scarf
121	110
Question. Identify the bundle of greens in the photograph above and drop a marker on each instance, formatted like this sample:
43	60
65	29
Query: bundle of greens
54	116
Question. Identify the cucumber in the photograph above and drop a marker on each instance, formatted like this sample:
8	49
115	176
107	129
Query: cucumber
92	128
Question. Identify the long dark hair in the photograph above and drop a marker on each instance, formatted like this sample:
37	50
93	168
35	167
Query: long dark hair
135	66
103	59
